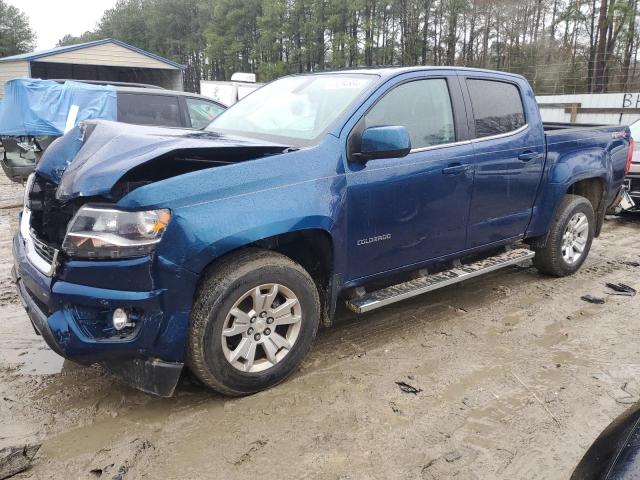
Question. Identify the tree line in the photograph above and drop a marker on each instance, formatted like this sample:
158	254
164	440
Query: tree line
561	46
16	35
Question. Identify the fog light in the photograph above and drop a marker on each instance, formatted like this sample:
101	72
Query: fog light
121	319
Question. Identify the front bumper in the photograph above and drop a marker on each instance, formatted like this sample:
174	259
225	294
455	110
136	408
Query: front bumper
72	311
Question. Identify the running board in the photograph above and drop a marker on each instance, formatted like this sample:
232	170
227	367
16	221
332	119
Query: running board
412	288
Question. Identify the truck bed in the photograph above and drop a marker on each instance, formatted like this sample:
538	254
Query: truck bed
554	126
602	151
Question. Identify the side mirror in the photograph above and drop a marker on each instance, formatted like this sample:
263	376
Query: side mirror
383	142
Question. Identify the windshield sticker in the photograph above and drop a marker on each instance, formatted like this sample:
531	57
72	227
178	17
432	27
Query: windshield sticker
340	83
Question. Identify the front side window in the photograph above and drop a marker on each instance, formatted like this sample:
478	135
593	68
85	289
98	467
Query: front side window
201	112
144	109
497	107
423	107
294	110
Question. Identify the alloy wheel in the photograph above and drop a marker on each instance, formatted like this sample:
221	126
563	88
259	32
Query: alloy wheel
261	328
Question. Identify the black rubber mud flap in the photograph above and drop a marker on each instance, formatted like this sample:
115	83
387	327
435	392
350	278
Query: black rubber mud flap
151	376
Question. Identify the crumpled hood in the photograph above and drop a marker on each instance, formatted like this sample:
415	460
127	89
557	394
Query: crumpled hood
90	159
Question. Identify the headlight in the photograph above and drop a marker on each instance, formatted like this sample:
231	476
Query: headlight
27	190
97	232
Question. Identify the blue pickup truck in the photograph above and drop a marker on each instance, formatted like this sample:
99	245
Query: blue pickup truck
148	249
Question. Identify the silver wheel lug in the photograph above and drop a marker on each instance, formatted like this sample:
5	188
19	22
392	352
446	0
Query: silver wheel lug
270	320
256	336
263	314
250	331
267	331
253	319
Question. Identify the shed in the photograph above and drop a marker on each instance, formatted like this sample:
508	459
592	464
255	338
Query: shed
106	60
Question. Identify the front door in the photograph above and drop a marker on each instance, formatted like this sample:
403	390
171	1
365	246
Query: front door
403	211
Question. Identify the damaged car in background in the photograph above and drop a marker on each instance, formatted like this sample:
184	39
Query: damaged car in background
34	113
147	249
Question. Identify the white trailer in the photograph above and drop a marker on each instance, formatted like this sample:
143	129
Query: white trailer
228	93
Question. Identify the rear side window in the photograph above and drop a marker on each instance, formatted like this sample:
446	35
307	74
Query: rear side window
143	109
423	107
497	107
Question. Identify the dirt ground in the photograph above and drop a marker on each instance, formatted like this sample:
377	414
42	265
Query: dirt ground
515	377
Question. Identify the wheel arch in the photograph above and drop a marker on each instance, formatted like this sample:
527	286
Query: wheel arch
593	189
312	248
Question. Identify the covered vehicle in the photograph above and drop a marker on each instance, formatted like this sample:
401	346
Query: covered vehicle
36	112
33	113
145	249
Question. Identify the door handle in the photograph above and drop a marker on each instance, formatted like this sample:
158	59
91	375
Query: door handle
527	156
455	169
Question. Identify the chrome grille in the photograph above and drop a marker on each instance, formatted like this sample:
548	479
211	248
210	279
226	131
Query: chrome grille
49	216
42	256
45	251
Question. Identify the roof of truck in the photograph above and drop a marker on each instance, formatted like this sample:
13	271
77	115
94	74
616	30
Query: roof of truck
390	71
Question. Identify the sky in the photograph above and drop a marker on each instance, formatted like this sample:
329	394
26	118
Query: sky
52	20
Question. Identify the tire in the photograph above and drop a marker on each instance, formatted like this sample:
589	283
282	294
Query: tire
212	354
554	258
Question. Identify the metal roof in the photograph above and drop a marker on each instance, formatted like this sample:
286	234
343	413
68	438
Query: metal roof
55	51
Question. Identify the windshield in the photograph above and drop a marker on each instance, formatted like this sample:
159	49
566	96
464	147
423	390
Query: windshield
295	110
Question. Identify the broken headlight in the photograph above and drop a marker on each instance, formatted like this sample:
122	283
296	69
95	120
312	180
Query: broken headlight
99	232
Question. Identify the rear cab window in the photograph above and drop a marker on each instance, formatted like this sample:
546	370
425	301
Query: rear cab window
497	107
146	109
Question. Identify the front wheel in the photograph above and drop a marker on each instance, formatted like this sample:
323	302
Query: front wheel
254	319
569	240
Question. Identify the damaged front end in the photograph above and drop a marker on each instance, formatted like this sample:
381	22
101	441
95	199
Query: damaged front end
88	269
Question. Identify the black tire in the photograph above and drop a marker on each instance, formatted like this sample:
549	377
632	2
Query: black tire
221	288
549	260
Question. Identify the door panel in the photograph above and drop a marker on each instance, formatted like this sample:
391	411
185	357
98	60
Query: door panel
403	211
504	187
508	162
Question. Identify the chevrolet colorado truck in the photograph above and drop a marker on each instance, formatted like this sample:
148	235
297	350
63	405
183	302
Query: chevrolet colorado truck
148	249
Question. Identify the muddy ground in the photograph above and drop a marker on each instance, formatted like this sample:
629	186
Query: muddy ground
516	375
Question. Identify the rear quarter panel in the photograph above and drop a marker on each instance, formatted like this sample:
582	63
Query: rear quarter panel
574	155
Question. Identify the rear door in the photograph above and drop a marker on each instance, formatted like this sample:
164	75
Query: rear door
508	158
403	211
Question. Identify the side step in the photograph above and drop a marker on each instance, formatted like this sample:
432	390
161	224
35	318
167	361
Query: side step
402	291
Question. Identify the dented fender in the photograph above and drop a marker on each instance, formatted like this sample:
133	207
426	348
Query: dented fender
217	211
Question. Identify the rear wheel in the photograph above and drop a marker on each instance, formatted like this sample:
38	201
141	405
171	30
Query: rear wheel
254	320
569	239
